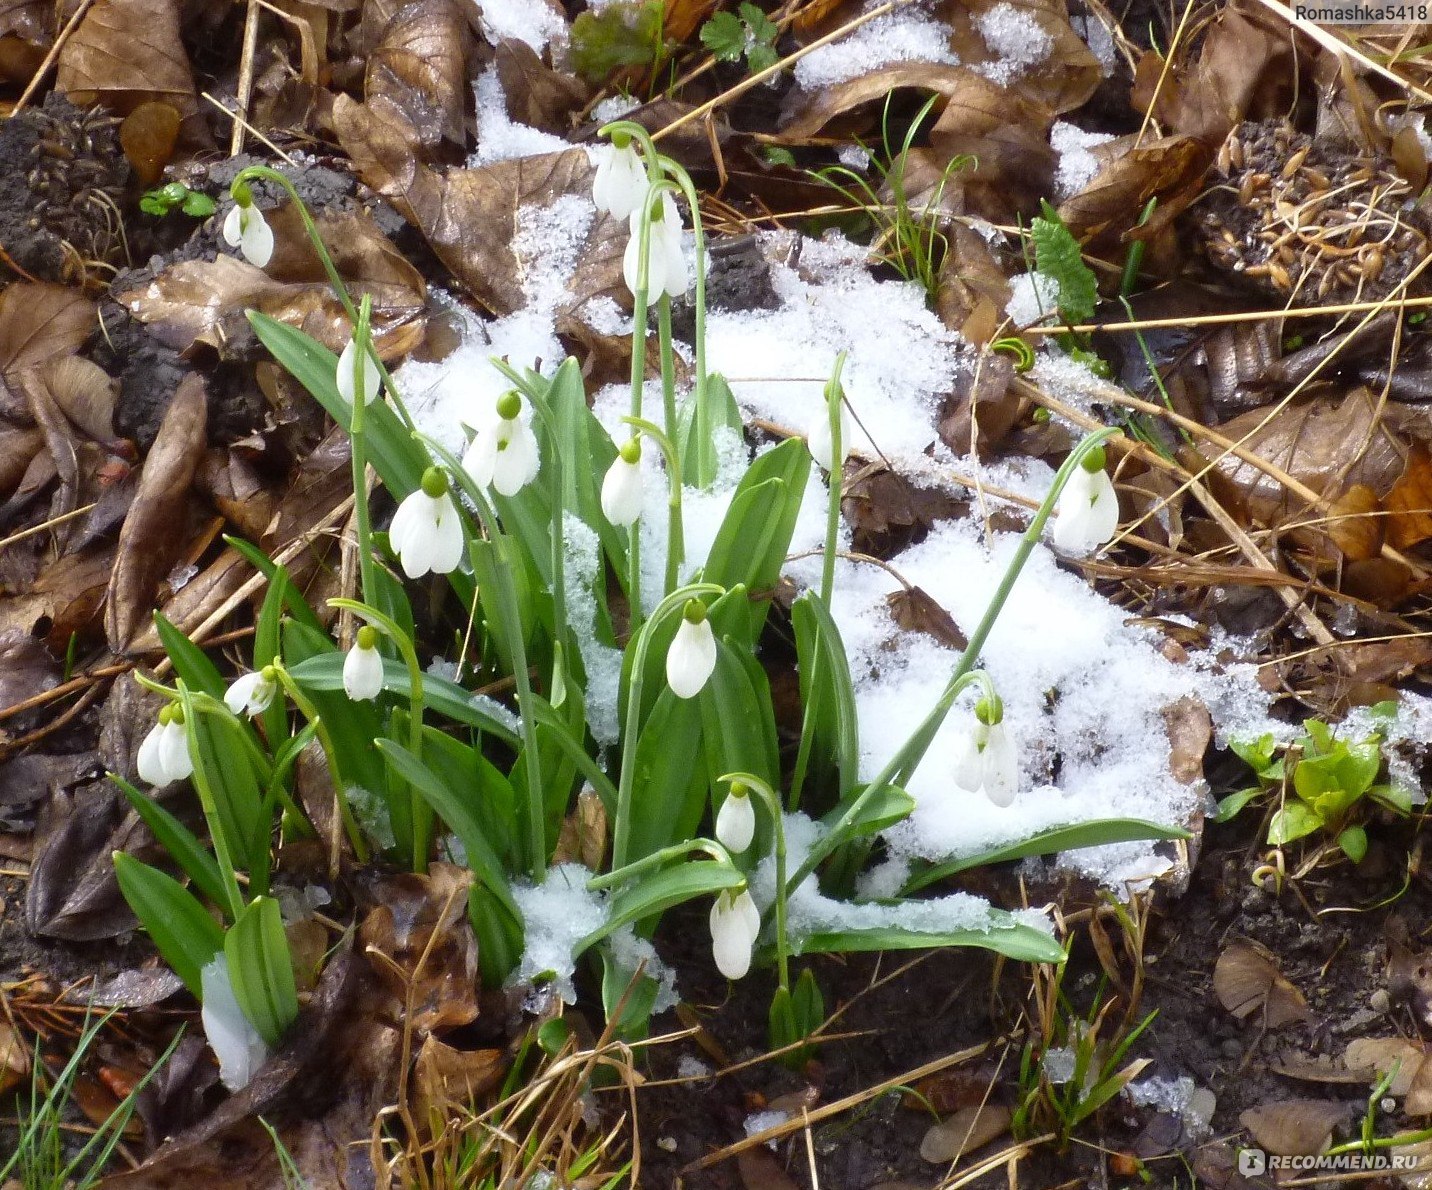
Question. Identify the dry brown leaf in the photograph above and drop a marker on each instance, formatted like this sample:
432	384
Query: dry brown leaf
809	112
1247	982
152	539
1409	502
148	135
446	1076
1108	208
14	1058
583	837
759	1170
1374	1057
84	393
40	321
1064	80
1190	729
963	1132
1354	524
914	610
417	72
536	94
1295	1126
125	53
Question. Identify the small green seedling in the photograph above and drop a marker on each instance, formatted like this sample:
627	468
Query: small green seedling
747	31
177	196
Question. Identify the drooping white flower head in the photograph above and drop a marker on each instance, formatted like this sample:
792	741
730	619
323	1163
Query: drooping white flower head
623	490
426	532
666	268
251	694
621	181
736	820
985	760
692	656
1087	514
355	371
818	438
235	1042
503	453
363	667
163	755
735	926
246	229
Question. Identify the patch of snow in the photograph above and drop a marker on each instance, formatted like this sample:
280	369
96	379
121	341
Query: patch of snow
1032	298
1019	41
909	34
854	157
761	1121
691	1066
556	915
614	108
499	137
1100	40
1058	1065
536	22
1178	1097
630	952
1077	165
582	569
371	811
499	711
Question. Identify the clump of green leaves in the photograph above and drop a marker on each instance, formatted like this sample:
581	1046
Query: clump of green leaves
1322	782
615	36
1057	256
748	31
175	196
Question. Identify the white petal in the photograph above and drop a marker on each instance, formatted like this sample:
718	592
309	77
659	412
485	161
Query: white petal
1104	510
620	184
1001	767
736	823
257	242
234	226
818	437
480	458
730	940
966	765
362	673
690	659
372	382
631	262
174	758
1072	515
518	462
407	521
673	260
246	695
623	493
235	1042
750	916
447	541
149	761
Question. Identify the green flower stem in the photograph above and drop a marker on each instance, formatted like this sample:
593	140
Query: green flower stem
673	474
420	813
330	753
701	417
754	785
834	398
511	617
211	810
363	340
673	603
638	382
900	766
330	269
659	859
675	545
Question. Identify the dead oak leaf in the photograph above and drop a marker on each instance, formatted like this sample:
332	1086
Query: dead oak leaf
1069	72
1247	981
127	52
417	71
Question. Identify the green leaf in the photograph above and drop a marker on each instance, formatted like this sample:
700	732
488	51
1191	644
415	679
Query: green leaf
1230	806
1293	821
884	809
294	601
724	36
738	727
669	778
200	206
179	841
190	662
762	28
655	893
621	34
227	775
827	693
777	155
1057	256
154	204
261	969
1353	841
184	934
761	57
634	994
699	462
1015	940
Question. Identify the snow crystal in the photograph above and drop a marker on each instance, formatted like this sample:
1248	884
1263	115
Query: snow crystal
371	811
441	667
855	157
499	711
630	952
1020	41
1077	165
1178	1097
763	1121
1058	1065
907	35
614	108
693	1067
1100	40
556	915
581	572
499	137
537	22
1033	297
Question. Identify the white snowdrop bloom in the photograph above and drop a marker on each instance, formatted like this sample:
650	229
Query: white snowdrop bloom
426	533
163	755
623	490
235	1042
350	374
985	762
621	181
1087	514
736	820
246	229
251	694
503	453
735	925
692	656
818	438
363	667
666	267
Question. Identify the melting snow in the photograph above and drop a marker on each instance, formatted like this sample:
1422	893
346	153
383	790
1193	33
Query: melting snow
556	915
1019	40
907	35
1077	165
536	22
499	137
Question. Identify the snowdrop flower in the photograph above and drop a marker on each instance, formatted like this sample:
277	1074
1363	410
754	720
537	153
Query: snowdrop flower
985	760
363	667
736	820
623	492
235	1042
251	694
621	181
818	438
692	655
735	925
246	229
1088	511
164	753
503	453
666	265
349	373
426	533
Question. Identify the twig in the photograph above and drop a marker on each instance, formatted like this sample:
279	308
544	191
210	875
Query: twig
246	77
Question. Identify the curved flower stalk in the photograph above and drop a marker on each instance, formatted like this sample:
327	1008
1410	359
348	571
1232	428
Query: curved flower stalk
426	532
1088	512
163	756
246	229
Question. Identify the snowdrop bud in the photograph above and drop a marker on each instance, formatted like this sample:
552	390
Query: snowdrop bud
692	655
622	490
363	667
621	181
235	1042
163	755
735	924
503	453
818	438
736	820
426	532
1087	514
251	694
352	373
246	229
